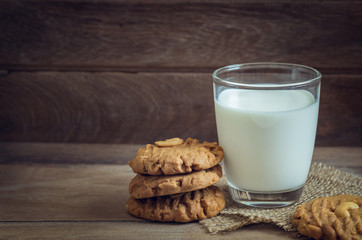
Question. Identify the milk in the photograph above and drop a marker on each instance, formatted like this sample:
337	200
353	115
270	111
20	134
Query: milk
268	137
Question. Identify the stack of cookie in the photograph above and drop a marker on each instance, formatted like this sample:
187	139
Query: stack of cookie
174	181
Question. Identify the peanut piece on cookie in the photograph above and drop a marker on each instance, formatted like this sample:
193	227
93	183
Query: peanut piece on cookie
342	209
176	156
170	142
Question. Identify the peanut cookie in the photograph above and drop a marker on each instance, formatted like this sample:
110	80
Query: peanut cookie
175	156
145	186
184	207
336	217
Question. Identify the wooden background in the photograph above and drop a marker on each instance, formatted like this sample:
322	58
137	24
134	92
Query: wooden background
107	71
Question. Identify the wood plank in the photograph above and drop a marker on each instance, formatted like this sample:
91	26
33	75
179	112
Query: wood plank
339	156
75	192
64	192
105	107
132	230
114	107
339	103
188	35
75	201
70	153
14	152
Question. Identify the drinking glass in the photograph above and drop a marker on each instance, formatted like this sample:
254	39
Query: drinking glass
266	117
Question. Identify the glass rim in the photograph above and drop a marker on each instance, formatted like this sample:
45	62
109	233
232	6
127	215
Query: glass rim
262	86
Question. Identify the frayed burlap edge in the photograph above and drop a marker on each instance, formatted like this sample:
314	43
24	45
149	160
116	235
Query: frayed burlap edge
322	181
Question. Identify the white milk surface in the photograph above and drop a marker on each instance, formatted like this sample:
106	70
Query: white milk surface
268	137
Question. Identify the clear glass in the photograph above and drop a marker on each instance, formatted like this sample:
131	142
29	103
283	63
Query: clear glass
266	116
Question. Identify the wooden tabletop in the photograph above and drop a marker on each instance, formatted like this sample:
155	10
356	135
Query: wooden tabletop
79	191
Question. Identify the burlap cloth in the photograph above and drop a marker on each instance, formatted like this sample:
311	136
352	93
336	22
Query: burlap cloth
322	181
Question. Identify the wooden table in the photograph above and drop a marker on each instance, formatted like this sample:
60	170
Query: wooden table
79	191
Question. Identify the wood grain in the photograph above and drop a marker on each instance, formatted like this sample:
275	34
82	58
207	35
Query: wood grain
64	192
105	107
182	35
120	154
14	152
132	230
139	108
86	201
78	192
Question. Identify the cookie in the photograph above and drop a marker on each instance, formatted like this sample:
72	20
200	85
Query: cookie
336	217
175	156
145	186
184	207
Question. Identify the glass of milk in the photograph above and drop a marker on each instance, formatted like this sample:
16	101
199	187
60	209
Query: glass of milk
266	116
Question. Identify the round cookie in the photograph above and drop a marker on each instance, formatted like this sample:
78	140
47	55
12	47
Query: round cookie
145	186
336	217
184	207
175	156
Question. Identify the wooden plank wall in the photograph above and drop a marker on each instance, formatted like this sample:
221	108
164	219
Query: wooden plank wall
103	71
